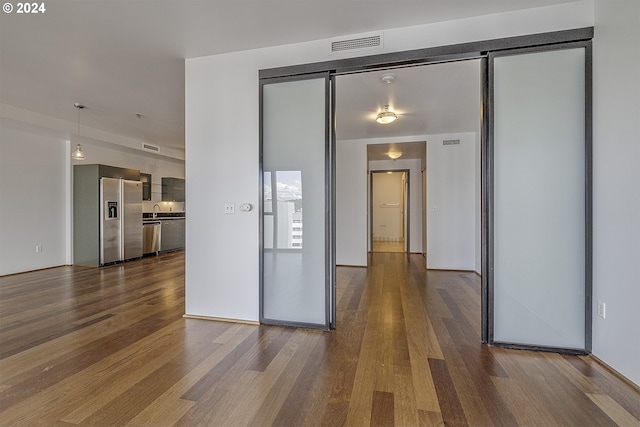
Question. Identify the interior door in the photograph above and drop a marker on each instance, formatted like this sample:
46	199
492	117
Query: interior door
296	210
539	234
424	213
405	210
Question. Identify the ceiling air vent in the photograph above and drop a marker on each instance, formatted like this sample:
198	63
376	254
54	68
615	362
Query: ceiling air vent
358	43
451	142
151	147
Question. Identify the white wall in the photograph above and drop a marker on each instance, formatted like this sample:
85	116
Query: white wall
222	251
616	184
33	194
451	202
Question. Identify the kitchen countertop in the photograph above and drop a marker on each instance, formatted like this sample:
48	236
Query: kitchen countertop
148	216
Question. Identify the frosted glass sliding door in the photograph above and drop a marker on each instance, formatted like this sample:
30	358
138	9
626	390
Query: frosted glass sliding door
294	288
541	201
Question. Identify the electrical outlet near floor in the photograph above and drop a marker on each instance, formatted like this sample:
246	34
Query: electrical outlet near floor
602	309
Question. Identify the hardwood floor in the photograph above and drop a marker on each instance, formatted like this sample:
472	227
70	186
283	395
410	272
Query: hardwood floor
383	246
109	347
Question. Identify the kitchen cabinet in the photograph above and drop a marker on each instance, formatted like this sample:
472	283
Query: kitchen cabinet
145	178
172	234
173	189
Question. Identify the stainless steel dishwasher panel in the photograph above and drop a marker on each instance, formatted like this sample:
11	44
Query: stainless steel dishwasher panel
151	236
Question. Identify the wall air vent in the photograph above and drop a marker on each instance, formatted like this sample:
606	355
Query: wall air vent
151	147
451	142
357	43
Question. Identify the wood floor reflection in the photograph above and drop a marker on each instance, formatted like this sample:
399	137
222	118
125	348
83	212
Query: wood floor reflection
109	347
394	247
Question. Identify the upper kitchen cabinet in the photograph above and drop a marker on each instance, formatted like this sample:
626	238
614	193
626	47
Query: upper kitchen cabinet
173	190
145	178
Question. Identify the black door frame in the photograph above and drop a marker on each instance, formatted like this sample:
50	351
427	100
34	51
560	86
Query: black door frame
329	201
451	53
407	194
487	160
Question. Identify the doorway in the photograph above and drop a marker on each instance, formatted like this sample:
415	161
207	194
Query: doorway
438	108
491	78
389	211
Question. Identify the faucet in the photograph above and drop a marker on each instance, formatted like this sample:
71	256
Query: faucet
155	214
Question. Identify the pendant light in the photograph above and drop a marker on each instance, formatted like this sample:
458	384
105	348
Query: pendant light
77	153
386	117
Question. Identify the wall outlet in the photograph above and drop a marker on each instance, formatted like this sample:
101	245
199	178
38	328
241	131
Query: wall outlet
229	208
602	309
38	248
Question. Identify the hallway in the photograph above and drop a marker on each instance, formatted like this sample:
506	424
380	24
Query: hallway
109	346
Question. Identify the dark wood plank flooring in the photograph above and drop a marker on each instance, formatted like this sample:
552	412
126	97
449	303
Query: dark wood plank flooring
109	347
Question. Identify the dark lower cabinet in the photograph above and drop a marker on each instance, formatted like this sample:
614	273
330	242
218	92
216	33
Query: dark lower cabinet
172	234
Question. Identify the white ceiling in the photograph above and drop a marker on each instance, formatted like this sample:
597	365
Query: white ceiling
122	58
428	99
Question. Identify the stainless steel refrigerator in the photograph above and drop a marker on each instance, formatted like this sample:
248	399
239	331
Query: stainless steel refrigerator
120	220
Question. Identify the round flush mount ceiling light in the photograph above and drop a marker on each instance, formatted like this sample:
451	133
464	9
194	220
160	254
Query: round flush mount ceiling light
386	116
388	78
394	155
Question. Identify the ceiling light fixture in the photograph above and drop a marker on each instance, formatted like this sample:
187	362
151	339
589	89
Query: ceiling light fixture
386	117
77	153
388	78
394	155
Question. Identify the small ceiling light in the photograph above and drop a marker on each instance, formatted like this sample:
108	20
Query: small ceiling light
386	117
388	78
77	153
394	154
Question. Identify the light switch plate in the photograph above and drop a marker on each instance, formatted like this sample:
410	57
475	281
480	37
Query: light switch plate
229	208
602	309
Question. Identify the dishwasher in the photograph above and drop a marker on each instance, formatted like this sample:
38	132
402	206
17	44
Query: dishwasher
151	235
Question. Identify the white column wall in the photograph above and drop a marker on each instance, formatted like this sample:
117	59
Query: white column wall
451	202
616	184
351	203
